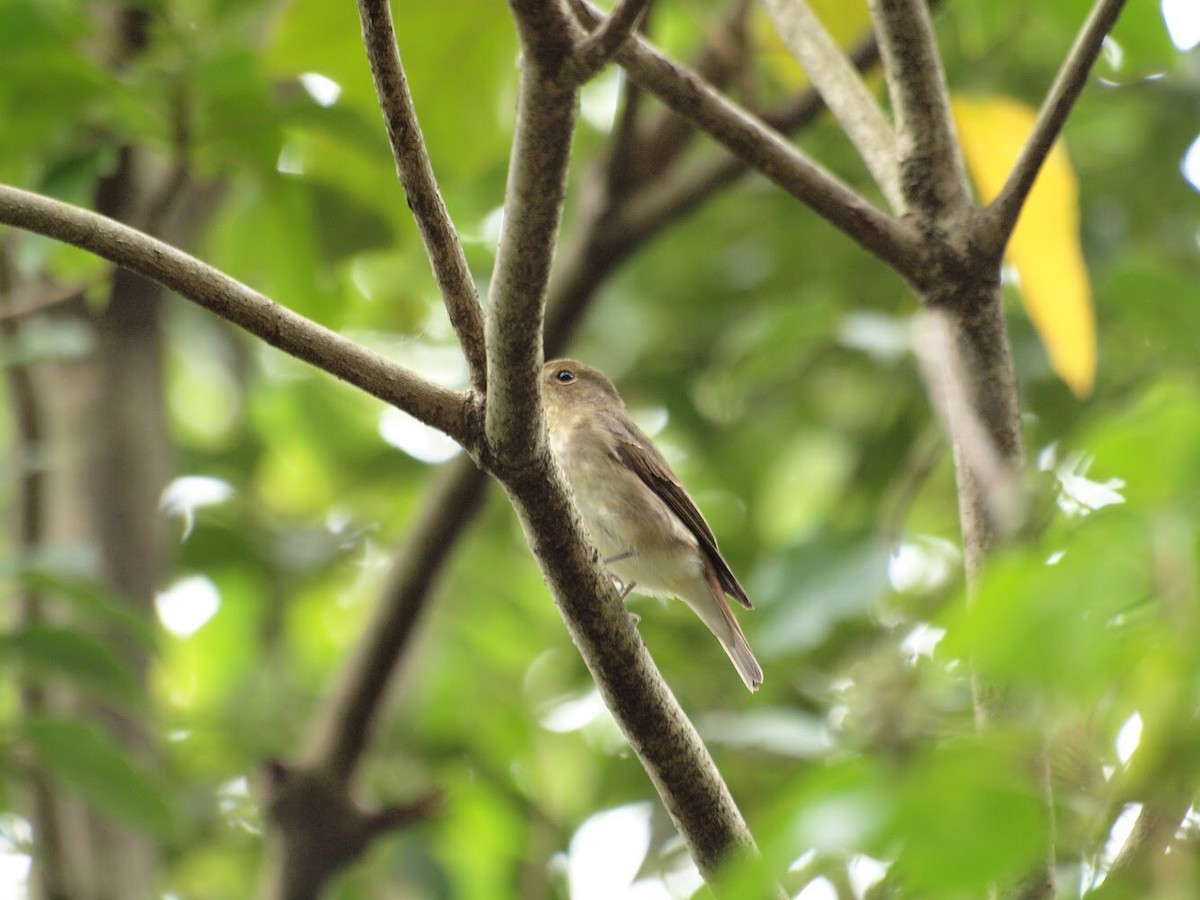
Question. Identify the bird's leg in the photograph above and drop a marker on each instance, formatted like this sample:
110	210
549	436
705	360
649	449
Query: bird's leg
623	592
621	585
622	588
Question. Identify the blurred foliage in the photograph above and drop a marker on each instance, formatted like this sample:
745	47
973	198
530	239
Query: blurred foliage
775	355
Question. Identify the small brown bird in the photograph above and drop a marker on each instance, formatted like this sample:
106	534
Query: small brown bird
652	536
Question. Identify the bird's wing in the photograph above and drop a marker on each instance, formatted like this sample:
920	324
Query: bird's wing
634	449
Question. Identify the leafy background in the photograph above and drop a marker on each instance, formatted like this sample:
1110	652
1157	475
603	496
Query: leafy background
770	357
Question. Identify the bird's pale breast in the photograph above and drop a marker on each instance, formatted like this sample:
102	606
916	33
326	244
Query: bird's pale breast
624	516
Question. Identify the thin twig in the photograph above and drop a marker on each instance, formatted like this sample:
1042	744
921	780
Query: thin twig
402	815
618	167
763	149
45	297
932	176
1068	84
178	179
278	326
442	245
843	91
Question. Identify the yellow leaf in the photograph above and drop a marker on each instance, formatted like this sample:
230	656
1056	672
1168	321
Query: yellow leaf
1045	247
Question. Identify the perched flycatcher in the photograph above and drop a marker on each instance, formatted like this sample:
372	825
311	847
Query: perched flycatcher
647	528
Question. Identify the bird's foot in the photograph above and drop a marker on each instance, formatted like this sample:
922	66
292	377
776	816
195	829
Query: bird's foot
624	589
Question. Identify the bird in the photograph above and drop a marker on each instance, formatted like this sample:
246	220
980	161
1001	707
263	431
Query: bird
650	533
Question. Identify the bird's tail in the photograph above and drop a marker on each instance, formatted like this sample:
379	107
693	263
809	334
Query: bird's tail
716	614
743	658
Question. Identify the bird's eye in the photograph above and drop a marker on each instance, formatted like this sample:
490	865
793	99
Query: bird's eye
564	376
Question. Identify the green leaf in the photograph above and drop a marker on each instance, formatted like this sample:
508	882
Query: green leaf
344	225
44	650
816	585
1056	617
968	816
86	760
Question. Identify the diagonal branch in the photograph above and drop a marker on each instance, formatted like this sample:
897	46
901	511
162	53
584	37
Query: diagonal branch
1068	84
663	200
932	176
721	61
843	91
763	149
420	187
664	739
290	332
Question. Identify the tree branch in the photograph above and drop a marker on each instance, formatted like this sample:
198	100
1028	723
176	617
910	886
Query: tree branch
403	815
290	332
763	149
537	184
549	38
933	179
44	297
665	741
442	245
320	829
843	91
1004	211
